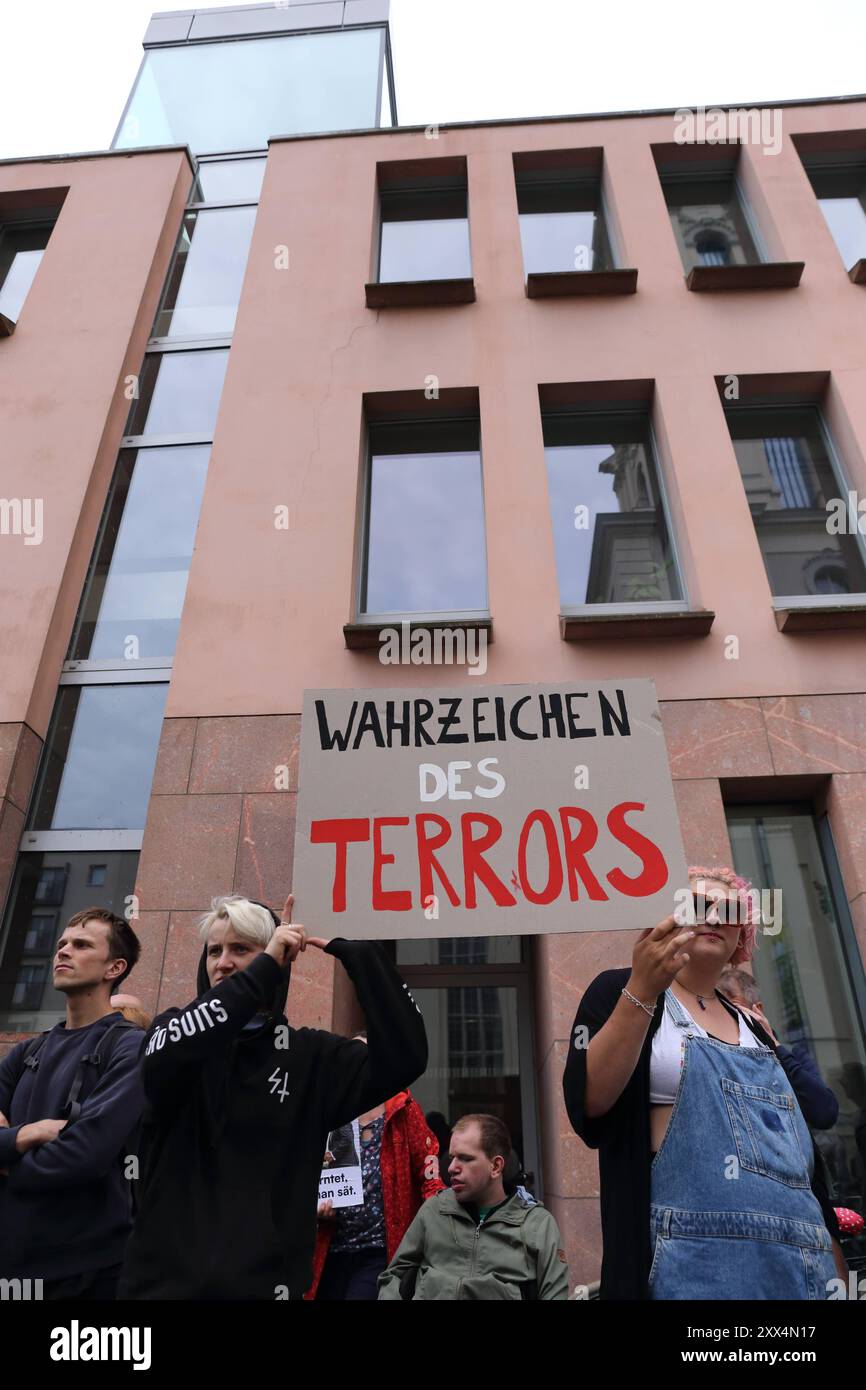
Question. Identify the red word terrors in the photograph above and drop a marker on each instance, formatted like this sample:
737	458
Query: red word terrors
567	841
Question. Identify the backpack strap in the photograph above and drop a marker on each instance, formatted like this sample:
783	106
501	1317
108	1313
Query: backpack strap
29	1057
98	1059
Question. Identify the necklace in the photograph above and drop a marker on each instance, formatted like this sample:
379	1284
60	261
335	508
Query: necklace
700	997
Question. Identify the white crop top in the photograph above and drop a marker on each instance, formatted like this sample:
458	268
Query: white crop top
666	1057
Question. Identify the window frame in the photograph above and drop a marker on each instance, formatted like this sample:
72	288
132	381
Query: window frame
580	178
444	185
588	610
517	975
685	175
792	601
437	617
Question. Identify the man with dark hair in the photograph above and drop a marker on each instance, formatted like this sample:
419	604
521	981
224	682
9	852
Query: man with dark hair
473	1241
69	1101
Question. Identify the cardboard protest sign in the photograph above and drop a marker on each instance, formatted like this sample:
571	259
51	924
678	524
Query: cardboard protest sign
341	1181
485	810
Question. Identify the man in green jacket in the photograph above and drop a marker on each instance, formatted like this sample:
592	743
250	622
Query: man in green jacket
472	1240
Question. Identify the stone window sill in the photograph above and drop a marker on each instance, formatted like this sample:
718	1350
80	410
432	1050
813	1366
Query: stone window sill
414	294
829	617
579	627
557	284
769	275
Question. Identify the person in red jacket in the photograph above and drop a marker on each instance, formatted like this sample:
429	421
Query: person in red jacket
400	1167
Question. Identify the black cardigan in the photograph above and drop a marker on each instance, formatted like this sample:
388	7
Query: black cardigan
622	1137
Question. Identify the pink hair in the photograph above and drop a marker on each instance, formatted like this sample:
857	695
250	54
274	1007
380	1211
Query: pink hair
749	930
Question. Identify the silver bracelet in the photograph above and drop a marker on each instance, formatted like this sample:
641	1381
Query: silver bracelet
646	1008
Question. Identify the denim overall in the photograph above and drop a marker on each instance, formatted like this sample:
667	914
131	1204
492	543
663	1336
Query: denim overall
732	1212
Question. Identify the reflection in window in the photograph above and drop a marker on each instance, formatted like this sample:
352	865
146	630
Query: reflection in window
609	526
841	193
229	181
179	393
789	478
204	284
562	225
21	249
474	1062
709	223
99	756
236	96
135	590
803	973
425	527
424	234
28	1000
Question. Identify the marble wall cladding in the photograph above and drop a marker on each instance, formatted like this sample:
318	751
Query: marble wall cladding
816	733
217	824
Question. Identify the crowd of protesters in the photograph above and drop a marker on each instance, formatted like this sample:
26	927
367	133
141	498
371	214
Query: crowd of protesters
181	1157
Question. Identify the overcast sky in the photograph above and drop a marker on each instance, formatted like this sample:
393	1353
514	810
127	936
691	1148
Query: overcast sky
68	65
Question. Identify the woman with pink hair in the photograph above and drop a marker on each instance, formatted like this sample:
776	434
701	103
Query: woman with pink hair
709	1187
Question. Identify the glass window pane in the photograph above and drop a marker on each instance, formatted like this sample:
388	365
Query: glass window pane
460	950
204	285
134	595
229	181
179	393
474	1061
562	226
789	478
425	532
21	250
28	1000
427	249
709	223
803	977
609	527
98	762
561	241
216	97
846	218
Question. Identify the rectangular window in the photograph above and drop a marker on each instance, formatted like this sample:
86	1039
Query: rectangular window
425	547
424	232
709	219
99	757
96	875
134	594
203	289
21	248
562	223
228	181
28	1000
610	528
786	462
809	971
179	393
840	187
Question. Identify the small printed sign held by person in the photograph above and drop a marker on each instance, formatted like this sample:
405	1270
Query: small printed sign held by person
340	1182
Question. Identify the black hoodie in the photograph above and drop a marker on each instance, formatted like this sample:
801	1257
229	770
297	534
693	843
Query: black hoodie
236	1121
